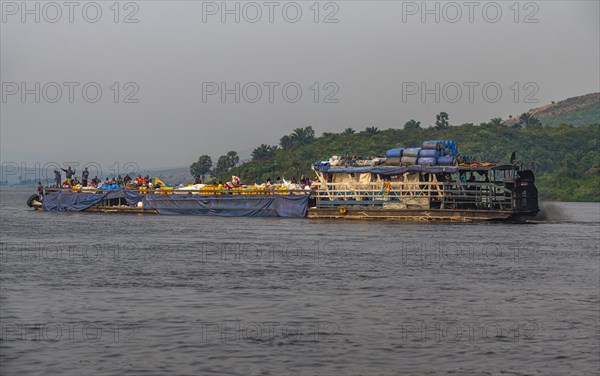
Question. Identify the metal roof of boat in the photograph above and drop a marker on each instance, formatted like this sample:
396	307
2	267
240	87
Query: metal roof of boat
397	170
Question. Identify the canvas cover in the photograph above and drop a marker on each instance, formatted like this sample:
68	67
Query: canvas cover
77	201
294	206
230	206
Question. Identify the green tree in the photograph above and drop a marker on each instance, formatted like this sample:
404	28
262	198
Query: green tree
201	167
372	131
232	159
348	131
263	152
496	122
286	142
412	124
534	122
529	121
225	163
302	136
441	120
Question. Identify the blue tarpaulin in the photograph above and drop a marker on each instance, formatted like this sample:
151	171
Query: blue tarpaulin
223	205
78	201
229	206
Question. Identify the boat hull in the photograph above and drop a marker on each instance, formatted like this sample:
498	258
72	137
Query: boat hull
417	215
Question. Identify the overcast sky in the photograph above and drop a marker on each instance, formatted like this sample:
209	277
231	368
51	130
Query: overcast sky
370	68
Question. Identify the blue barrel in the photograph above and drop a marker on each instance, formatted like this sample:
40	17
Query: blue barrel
411	152
394	153
428	161
392	162
445	161
429	153
409	161
433	144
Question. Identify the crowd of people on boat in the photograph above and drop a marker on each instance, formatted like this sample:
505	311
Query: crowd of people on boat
235	182
71	181
122	182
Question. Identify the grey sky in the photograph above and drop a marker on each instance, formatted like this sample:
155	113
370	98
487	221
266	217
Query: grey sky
367	55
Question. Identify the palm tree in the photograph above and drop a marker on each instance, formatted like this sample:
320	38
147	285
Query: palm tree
534	122
529	121
263	152
302	136
372	130
348	131
524	119
286	142
496	122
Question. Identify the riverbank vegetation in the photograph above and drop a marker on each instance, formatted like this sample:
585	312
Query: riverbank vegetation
565	159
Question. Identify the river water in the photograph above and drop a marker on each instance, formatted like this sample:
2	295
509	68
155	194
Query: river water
84	293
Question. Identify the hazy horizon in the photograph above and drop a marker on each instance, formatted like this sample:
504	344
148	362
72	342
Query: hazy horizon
369	66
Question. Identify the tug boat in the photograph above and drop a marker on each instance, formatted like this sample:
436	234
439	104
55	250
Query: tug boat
416	193
432	182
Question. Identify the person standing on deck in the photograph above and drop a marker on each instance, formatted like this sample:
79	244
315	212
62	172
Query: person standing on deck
84	177
40	190
57	178
68	174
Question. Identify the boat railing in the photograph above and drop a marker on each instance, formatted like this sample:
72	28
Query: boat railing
443	195
203	192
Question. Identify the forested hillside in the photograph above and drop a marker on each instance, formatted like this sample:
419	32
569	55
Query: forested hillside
566	159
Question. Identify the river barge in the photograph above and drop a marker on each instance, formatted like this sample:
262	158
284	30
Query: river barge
415	184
